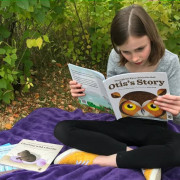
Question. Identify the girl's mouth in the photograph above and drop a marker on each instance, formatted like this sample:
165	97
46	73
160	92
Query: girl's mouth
138	63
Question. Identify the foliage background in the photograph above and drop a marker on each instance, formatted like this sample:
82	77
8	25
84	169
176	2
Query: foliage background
39	37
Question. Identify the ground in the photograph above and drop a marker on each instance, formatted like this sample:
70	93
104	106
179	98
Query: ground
50	89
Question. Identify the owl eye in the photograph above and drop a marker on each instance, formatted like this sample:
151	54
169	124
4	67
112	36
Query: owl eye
130	106
154	110
153	107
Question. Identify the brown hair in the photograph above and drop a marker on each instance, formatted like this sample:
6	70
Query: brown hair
134	21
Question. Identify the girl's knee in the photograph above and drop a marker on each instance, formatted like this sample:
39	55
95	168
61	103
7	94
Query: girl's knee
62	131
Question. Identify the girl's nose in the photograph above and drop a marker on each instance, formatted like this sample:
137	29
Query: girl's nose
135	57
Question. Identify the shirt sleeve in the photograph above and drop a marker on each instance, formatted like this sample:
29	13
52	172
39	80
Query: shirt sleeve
174	81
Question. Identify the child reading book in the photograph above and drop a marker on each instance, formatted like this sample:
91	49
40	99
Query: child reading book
137	48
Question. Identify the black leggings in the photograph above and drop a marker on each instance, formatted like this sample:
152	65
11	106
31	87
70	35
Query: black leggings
158	146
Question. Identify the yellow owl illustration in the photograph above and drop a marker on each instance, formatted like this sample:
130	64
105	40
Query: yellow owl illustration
140	103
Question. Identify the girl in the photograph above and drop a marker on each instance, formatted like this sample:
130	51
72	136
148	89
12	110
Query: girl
137	48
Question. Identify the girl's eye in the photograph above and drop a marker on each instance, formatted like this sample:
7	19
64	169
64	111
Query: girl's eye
125	52
140	49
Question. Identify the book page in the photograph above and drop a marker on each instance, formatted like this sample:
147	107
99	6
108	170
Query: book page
92	82
133	94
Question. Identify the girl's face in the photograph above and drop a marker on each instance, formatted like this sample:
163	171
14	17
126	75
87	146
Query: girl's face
136	50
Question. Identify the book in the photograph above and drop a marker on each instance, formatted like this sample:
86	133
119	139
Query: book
4	149
92	81
130	94
31	155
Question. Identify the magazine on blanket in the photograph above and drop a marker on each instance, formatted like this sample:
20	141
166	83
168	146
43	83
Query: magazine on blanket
4	149
130	94
31	155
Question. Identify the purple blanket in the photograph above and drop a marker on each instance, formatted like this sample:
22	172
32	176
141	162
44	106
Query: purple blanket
39	125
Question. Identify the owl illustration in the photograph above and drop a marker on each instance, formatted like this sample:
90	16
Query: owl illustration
140	103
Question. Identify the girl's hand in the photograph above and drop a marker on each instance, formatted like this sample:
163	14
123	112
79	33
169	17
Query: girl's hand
169	103
76	89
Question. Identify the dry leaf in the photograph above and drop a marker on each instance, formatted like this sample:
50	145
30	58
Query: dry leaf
8	126
14	103
71	107
16	115
37	95
61	107
9	109
11	118
59	65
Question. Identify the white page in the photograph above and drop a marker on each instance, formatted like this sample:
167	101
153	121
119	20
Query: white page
92	82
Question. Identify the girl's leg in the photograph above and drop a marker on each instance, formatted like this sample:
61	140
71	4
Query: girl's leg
104	137
159	146
152	156
90	136
106	160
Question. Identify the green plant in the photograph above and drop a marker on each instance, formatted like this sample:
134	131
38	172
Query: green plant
35	33
8	73
20	23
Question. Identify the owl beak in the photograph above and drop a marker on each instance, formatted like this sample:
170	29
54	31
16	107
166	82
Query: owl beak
143	112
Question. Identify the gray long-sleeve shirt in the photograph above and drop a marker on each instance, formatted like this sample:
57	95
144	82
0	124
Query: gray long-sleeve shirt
169	63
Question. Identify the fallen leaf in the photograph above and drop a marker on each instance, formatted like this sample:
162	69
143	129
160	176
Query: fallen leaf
9	109
8	126
23	115
61	107
37	95
59	65
11	118
16	115
71	107
14	103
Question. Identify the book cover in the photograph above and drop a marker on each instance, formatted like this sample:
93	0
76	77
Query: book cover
31	155
133	94
4	149
130	94
92	81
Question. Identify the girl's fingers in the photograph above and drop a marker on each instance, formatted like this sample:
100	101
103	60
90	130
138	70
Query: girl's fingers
168	98
72	82
77	94
172	111
77	90
76	86
169	103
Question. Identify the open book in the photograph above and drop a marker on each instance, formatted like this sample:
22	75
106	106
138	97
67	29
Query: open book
31	155
130	94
